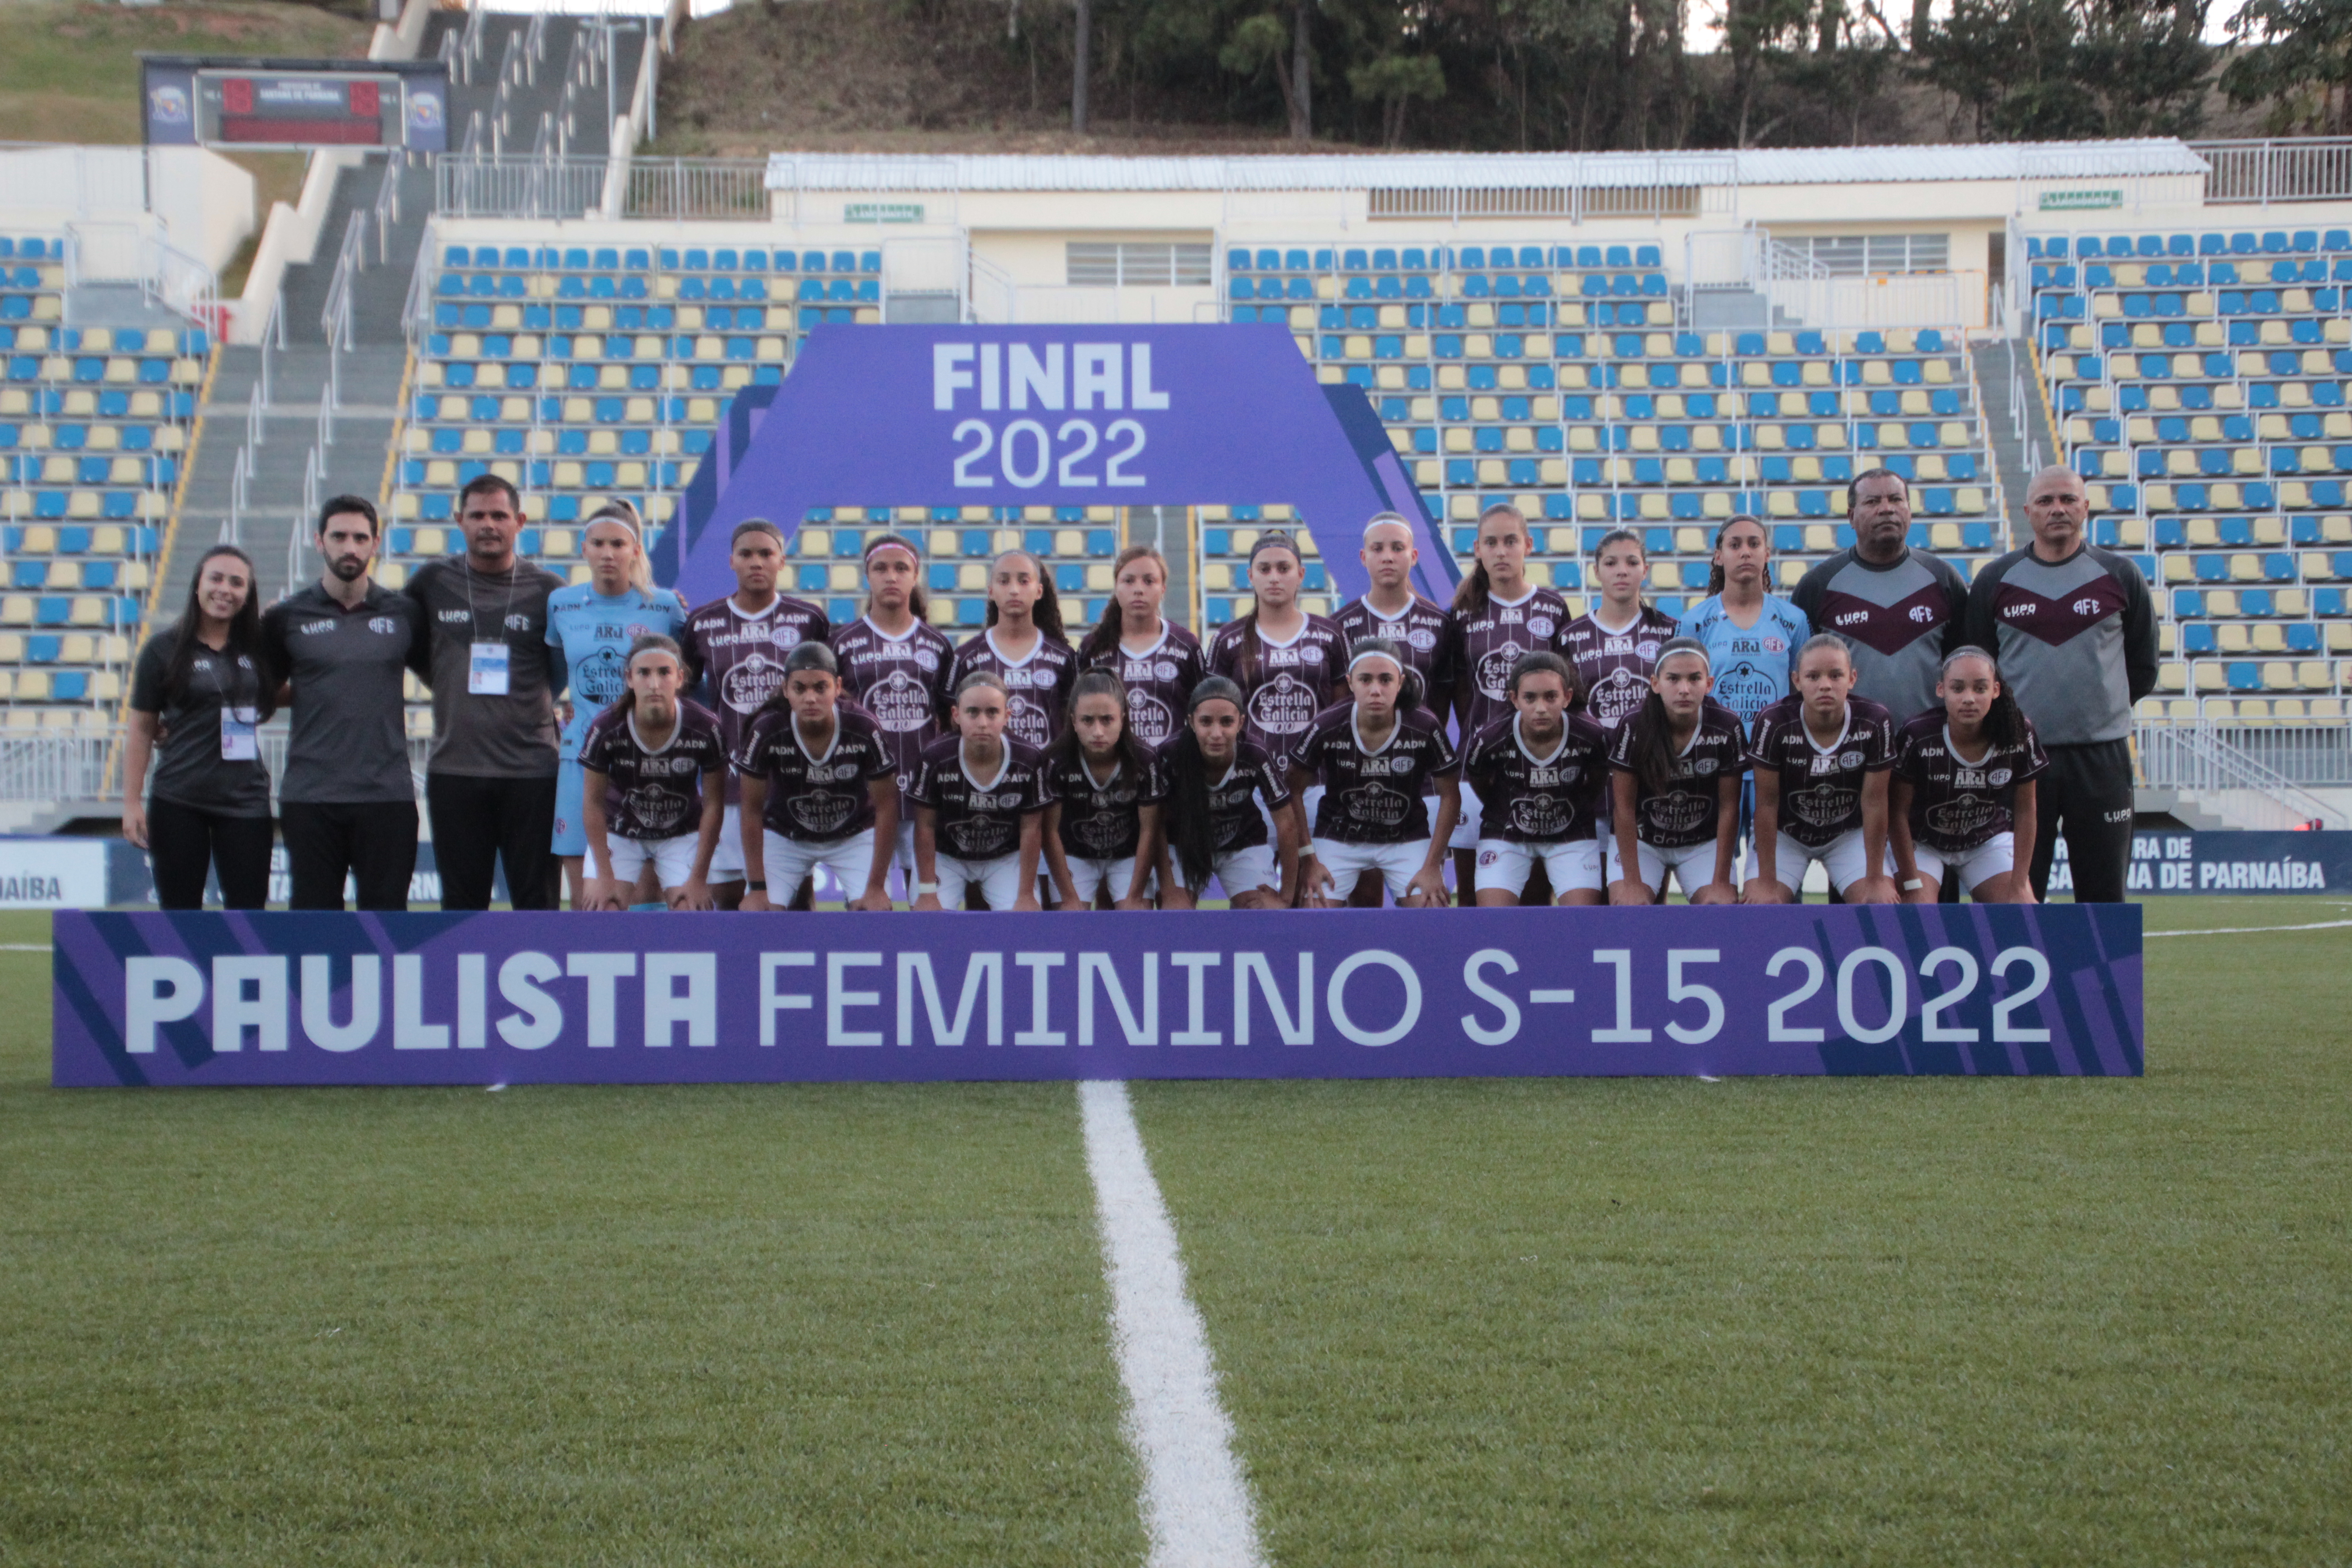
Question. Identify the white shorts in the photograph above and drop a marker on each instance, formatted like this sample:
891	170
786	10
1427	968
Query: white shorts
726	860
1693	865
1841	857
1397	864
999	880
673	858
1466	828
1244	870
790	861
1506	864
1996	856
1090	876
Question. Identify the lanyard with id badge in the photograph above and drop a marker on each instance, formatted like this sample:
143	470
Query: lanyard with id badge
489	664
240	722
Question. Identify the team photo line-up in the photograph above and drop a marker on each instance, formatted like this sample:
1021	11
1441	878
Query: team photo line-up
1919	735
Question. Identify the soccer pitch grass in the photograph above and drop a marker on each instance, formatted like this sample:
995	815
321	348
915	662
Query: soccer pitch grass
1608	1322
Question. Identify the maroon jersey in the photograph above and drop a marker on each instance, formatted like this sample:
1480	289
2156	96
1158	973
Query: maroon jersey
1492	641
1820	787
1285	684
1957	805
1234	820
1103	821
1684	812
1425	632
743	658
1375	797
979	819
1159	681
821	798
1528	799
1036	689
901	680
1613	667
654	792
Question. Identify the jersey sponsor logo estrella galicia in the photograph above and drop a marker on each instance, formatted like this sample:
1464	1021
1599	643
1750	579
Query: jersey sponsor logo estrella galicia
1542	815
1376	805
1494	670
751	682
1962	817
821	814
1823	808
1152	719
1676	814
900	703
1283	705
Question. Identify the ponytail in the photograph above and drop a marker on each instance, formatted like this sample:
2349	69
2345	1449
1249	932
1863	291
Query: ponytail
1101	645
1253	654
918	604
2004	721
1410	687
1192	833
645	642
1715	578
1065	749
1471	595
1047	611
1651	749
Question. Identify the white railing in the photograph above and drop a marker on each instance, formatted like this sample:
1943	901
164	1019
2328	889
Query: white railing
2302	169
2197	758
387	206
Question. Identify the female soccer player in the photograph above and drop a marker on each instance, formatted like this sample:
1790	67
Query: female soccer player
1544	772
1216	776
738	644
591	626
978	796
198	699
1157	661
1751	635
1820	756
1376	757
1614	645
1675	767
1022	646
819	788
894	664
649	797
1391	609
1101	830
1500	618
1964	784
1289	665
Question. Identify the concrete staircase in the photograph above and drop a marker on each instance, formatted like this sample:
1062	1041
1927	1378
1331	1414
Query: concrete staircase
2004	372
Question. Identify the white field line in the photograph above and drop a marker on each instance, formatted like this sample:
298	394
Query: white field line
2250	931
24	947
1196	1504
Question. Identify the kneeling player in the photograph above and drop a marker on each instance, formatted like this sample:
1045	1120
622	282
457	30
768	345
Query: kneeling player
1102	824
1376	757
979	795
1675	765
820	789
1964	787
1540	774
646	763
1216	777
1820	756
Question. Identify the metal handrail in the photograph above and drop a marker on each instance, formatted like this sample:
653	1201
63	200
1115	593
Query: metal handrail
2195	757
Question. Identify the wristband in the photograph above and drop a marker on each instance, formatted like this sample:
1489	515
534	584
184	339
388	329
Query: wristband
1912	884
755	887
930	889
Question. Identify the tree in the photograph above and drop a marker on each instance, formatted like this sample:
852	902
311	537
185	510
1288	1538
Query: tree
1079	64
2053	69
1394	80
2297	54
1258	44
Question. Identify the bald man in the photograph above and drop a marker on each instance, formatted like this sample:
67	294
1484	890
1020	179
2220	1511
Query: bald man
2075	632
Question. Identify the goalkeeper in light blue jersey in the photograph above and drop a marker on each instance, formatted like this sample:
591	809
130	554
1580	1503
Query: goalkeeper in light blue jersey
1751	635
591	625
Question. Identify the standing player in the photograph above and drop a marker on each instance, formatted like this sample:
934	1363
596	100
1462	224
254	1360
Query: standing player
819	787
1500	618
1024	647
1289	665
1614	645
1157	661
2074	631
738	644
1101	828
1377	757
1899	609
1962	805
1820	756
1389	608
1216	778
979	795
894	664
1543	773
652	773
1675	767
591	626
1751	635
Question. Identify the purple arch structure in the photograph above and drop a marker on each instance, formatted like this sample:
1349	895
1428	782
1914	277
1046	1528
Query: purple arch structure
1059	416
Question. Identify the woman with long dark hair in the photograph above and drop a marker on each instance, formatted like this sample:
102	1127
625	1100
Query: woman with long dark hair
820	789
1216	776
198	699
1157	661
1675	766
1820	758
1962	801
1024	646
1289	665
1614	645
1101	828
653	771
894	664
1377	755
1500	616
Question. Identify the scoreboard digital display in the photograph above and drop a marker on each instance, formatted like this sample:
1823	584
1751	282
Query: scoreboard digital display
394	105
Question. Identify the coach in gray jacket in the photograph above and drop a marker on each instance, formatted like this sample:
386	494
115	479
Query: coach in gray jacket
1898	608
2075	630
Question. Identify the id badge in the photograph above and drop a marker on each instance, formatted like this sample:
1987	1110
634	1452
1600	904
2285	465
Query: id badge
240	735
486	675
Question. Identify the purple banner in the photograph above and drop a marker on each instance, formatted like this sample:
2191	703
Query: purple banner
230	999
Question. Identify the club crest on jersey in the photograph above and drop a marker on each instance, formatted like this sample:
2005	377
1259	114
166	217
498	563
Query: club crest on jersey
1540	625
383	625
1422	637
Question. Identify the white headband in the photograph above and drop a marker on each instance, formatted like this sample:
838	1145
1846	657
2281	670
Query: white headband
1375	653
615	516
1383	519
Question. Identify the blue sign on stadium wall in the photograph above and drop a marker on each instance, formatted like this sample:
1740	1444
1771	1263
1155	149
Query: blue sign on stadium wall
250	999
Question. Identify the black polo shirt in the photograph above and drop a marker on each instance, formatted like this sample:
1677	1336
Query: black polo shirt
350	743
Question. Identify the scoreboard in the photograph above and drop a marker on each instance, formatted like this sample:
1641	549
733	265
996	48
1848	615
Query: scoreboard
208	102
